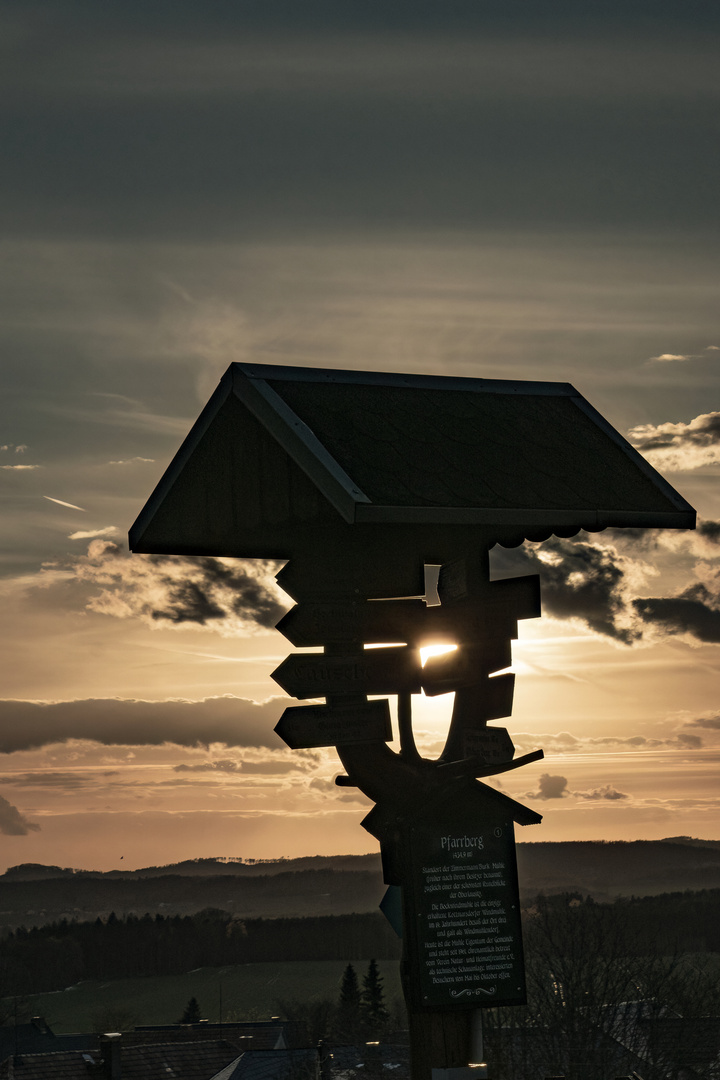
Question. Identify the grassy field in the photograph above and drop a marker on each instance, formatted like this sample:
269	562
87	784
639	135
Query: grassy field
246	992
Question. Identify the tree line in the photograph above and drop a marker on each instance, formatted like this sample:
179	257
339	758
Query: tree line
56	955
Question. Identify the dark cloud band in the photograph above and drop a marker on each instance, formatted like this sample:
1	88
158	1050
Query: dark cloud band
27	725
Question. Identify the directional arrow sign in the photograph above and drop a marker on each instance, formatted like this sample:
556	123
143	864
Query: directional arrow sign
394	670
370	622
491	746
489	699
375	621
306	726
362	572
466	666
519	597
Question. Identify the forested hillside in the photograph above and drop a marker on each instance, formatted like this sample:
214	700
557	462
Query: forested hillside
619	868
32	895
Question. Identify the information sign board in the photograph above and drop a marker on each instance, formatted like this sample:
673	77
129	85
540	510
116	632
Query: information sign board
463	916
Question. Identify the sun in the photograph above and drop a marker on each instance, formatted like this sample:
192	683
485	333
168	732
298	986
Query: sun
434	650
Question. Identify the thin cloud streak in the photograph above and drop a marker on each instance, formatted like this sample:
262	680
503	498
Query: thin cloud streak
61	502
93	534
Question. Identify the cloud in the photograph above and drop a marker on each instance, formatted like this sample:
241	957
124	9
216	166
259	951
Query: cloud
226	595
60	502
580	580
132	461
670	358
555	787
702	542
92	534
689	741
256	768
695	611
710	722
710	531
23	468
12	822
564	742
597	584
65	781
26	725
606	792
680	447
551	787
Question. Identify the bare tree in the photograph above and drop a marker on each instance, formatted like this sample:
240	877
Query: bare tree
602	1000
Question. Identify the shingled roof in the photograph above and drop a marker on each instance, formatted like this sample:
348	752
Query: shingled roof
185	1060
281	456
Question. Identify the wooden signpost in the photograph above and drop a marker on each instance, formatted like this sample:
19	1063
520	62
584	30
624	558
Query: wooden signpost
295	464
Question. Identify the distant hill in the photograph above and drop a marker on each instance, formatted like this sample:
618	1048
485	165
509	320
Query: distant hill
32	894
619	868
201	868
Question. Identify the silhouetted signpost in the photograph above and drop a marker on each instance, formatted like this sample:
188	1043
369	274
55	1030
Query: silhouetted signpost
361	480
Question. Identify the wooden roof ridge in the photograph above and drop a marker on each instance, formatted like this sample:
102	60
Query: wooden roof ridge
382	448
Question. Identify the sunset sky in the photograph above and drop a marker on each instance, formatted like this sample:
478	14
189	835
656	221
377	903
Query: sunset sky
457	187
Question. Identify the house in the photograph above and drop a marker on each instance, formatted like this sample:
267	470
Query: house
266	1050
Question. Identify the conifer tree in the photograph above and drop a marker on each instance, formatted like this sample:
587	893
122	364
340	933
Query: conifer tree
373	1007
349	1013
192	1014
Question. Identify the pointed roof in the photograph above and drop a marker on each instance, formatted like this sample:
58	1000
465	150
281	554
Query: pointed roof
282	456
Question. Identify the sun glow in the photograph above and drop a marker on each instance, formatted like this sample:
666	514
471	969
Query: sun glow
435	650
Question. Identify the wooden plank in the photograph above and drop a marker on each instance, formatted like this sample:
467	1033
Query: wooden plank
370	623
304	727
518	596
393	670
466	666
354	566
489	745
489	699
410	621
